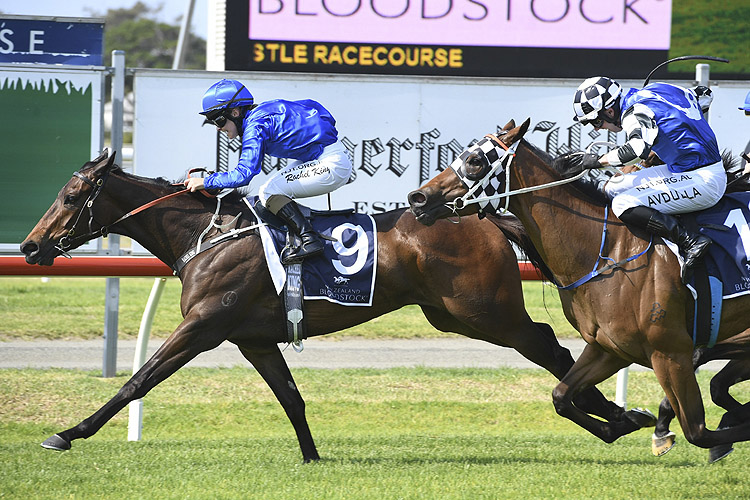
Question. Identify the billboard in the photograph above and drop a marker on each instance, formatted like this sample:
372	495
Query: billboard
52	126
550	38
51	40
399	131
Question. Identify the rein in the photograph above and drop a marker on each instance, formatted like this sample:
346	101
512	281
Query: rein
596	272
70	240
505	162
508	156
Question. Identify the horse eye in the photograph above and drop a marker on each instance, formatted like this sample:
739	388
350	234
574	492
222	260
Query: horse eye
70	199
475	166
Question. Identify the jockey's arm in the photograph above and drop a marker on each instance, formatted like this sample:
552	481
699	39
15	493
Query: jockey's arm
639	125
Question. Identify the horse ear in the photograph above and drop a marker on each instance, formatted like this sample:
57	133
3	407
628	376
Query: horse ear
111	160
101	157
517	133
511	124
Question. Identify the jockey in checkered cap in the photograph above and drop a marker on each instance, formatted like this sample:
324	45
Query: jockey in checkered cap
669	121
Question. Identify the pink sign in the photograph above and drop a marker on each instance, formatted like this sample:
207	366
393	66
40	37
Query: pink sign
580	24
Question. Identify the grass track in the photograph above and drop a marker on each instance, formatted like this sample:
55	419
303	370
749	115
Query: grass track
417	433
73	308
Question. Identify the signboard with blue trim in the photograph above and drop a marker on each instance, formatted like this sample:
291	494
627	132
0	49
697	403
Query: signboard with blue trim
51	40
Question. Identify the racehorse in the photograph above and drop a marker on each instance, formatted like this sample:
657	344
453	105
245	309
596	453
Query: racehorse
228	294
633	311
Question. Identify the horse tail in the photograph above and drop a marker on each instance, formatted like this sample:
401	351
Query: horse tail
513	229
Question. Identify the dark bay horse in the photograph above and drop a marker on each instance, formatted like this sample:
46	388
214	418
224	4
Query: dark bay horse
635	312
444	270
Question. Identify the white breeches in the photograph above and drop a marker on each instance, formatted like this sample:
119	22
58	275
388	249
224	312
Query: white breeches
331	170
667	192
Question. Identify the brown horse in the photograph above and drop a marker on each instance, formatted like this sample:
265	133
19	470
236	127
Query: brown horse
633	312
443	270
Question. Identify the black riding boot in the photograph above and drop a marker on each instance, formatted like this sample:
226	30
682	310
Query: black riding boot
299	225
692	245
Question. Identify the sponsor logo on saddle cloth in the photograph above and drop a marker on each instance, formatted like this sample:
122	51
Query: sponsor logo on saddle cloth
478	182
728	224
345	272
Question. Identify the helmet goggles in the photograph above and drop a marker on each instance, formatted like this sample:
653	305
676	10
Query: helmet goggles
217	115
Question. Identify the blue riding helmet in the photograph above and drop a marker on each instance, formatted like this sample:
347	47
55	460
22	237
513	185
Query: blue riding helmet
746	107
225	94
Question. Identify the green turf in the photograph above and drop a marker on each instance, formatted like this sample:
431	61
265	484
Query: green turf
414	433
73	308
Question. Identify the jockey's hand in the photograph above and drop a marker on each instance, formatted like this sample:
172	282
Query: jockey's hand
194	184
590	160
580	161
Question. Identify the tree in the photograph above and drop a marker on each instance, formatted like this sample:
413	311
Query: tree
148	42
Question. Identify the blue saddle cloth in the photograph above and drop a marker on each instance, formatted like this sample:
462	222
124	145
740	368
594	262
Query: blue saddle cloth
345	272
727	225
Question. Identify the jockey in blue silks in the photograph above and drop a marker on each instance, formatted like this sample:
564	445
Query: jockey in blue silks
303	131
668	120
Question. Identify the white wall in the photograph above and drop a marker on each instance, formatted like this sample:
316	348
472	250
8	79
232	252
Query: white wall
374	112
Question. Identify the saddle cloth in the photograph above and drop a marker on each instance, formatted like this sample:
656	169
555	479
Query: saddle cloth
727	224
345	272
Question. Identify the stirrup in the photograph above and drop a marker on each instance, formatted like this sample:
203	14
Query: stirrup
291	255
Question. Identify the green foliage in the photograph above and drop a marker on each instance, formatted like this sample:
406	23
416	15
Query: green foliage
411	433
713	29
147	42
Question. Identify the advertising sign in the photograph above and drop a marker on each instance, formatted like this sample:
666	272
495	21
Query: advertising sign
51	40
554	38
52	126
399	131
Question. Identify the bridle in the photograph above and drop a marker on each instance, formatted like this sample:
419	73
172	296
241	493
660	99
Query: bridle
70	240
486	190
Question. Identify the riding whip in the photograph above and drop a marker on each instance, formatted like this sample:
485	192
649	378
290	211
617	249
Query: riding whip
684	58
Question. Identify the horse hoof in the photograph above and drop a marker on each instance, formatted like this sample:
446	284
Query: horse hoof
661	445
716	453
56	443
641	417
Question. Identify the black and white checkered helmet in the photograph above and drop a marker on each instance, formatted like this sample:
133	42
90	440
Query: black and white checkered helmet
705	97
594	95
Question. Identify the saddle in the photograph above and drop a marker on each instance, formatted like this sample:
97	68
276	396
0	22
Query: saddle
330	276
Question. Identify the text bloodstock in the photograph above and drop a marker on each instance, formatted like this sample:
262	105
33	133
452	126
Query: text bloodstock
471	10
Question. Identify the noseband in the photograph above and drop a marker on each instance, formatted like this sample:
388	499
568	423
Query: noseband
70	240
486	190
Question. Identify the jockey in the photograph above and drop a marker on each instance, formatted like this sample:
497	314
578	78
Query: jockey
303	131
669	121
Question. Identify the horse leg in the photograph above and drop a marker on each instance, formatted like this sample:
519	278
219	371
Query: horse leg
736	371
681	387
735	416
534	341
590	400
271	365
663	439
592	367
182	346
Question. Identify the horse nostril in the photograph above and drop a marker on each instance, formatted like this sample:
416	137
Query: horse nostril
417	199
29	248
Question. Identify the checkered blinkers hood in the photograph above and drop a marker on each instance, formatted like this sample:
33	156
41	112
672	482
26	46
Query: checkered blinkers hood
492	178
593	95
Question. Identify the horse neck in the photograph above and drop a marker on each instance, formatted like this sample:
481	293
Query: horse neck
167	229
565	227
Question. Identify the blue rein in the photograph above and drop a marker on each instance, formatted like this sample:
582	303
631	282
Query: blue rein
596	272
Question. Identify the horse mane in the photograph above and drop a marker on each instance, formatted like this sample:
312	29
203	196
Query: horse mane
514	230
